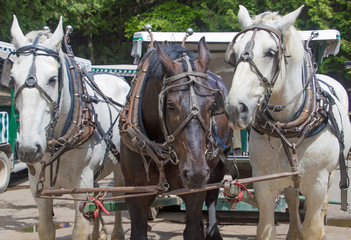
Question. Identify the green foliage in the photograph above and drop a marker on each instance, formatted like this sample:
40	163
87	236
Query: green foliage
217	15
31	14
170	16
330	14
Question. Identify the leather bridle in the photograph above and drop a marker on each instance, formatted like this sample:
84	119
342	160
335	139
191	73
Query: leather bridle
170	83
31	80
247	56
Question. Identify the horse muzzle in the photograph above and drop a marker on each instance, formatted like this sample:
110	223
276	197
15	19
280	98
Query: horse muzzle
238	115
29	154
195	178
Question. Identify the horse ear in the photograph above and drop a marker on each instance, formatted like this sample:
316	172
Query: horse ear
56	38
288	20
244	18
18	37
204	56
166	62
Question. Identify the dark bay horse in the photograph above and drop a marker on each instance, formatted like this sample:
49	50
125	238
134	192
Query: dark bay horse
181	107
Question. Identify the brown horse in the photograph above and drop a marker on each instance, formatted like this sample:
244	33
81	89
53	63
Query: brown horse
181	106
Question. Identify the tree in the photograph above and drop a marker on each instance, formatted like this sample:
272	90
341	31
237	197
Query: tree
170	16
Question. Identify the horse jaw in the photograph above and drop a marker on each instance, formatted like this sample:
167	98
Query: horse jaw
19	39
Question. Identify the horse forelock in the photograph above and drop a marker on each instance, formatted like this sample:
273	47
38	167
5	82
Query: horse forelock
45	34
155	69
265	18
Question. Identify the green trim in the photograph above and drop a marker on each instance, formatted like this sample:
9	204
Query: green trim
130	71
121	205
12	124
138	38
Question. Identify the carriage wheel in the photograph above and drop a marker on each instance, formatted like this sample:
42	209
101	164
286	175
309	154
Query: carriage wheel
4	172
153	212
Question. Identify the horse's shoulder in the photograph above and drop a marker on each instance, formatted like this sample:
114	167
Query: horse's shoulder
216	82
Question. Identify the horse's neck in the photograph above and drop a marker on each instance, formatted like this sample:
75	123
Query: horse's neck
289	85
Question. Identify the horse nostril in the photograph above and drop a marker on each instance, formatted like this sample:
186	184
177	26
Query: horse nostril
243	108
185	175
226	113
38	148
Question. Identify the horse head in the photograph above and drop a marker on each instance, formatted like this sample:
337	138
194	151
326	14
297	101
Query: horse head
260	54
35	77
186	107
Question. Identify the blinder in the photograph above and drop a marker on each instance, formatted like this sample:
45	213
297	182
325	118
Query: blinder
218	105
229	56
5	74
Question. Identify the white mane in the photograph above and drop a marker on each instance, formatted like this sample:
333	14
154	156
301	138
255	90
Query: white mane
292	40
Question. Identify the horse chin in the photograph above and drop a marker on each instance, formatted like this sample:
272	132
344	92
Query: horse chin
193	185
30	158
195	182
29	154
239	124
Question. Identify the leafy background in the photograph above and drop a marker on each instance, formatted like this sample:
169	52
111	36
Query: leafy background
104	28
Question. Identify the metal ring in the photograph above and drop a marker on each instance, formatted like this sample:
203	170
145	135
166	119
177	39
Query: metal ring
31	81
173	157
245	56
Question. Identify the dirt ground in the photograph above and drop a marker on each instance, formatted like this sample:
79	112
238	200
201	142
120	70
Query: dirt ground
19	216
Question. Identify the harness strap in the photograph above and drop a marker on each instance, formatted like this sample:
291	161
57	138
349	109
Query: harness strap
344	178
174	78
142	147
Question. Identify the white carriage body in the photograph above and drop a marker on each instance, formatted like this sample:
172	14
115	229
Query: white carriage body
327	43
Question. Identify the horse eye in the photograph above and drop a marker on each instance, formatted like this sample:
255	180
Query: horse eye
52	80
270	53
170	106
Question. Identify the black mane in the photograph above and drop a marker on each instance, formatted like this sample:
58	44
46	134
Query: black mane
155	69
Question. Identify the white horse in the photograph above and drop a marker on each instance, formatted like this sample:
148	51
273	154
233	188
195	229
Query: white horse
77	166
269	73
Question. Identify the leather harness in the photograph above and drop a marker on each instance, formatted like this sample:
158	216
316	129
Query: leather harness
315	111
81	122
162	153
